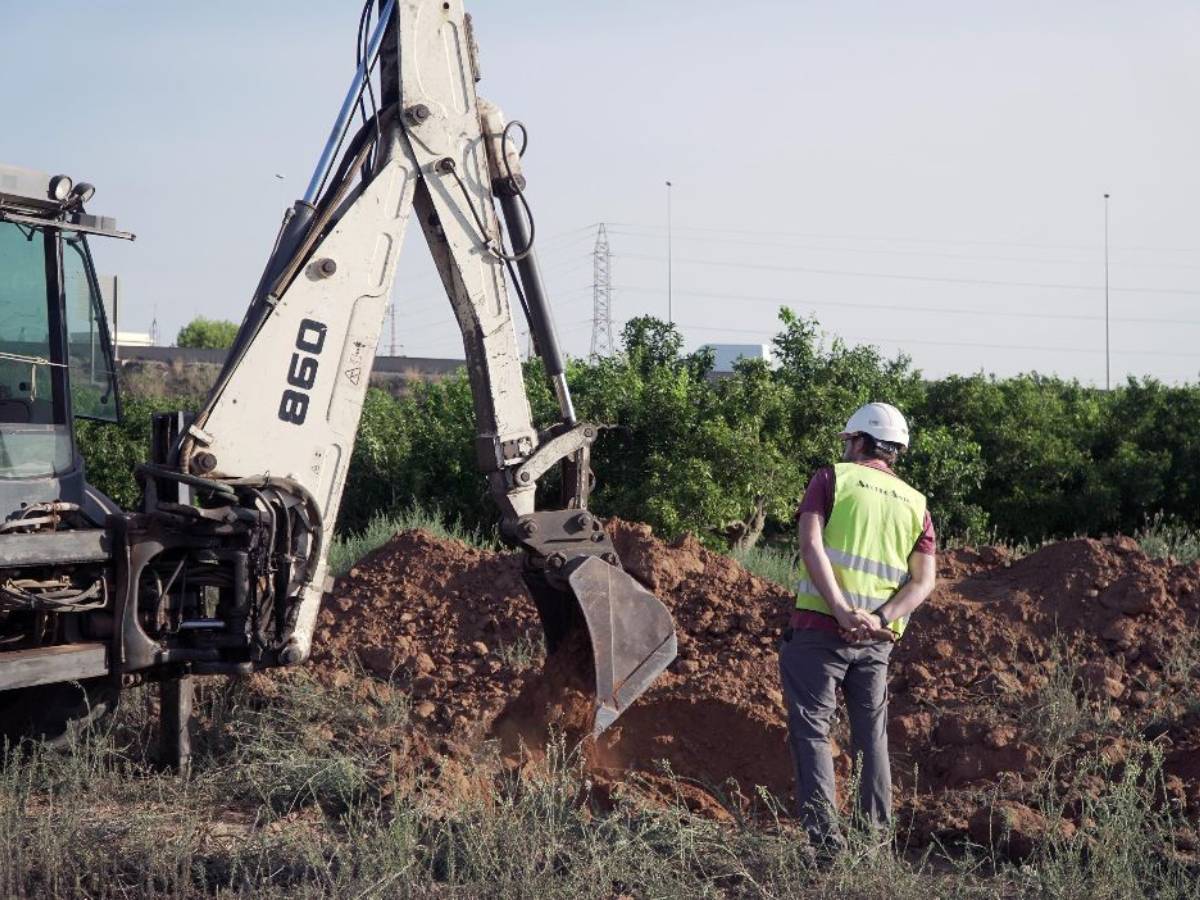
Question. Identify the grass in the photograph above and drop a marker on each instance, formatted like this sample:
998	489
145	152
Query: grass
295	793
347	549
770	562
526	652
1063	708
1162	538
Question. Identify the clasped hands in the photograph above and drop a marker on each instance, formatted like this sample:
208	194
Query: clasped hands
859	626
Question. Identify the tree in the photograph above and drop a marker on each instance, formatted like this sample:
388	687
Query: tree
650	342
1024	458
762	478
830	381
207	334
688	452
946	465
112	451
1034	434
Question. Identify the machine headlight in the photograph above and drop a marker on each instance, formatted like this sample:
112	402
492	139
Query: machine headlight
83	192
60	187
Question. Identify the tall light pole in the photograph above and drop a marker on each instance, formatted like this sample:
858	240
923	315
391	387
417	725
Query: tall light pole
1107	359
670	273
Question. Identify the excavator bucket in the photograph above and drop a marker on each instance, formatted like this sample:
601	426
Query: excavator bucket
631	633
629	630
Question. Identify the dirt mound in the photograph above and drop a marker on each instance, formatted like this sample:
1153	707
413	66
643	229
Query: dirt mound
449	623
1010	666
1070	650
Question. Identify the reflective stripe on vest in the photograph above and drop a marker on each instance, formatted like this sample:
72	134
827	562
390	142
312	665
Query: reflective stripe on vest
858	601
874	525
862	564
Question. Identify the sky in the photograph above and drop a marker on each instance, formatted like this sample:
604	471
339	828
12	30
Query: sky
928	177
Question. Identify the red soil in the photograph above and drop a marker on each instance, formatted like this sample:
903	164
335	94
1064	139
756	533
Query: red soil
441	620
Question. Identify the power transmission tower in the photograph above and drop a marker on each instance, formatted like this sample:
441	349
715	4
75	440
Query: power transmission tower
392	322
602	336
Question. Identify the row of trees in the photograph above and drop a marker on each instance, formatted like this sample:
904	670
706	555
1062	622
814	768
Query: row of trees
1029	457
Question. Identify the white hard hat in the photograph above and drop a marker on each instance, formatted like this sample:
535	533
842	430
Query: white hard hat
881	421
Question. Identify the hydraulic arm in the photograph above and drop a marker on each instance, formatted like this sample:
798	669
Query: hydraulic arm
241	499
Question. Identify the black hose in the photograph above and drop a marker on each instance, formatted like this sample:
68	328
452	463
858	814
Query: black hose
217	487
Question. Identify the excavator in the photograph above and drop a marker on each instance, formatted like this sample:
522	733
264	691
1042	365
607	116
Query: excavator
221	569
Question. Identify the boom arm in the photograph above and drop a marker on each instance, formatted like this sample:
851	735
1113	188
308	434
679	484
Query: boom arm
276	435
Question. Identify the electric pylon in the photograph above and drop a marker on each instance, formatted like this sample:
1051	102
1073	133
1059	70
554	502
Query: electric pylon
602	336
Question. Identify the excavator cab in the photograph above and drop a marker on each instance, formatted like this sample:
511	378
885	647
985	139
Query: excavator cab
56	355
56	364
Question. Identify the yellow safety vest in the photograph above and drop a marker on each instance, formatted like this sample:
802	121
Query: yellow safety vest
875	524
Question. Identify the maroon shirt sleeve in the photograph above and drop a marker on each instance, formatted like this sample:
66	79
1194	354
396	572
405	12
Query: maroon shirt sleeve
818	497
927	542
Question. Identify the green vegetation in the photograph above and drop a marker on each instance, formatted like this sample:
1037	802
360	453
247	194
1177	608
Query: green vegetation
523	653
1061	712
111	452
1018	460
207	334
347	549
301	790
776	564
1164	539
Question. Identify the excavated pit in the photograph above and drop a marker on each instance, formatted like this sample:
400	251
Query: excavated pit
1091	623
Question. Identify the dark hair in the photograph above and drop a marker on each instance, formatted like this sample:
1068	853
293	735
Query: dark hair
887	451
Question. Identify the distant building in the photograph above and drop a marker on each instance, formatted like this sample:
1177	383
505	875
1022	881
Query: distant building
135	339
728	354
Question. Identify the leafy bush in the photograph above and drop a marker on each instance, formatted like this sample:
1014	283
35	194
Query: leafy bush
207	334
1020	459
112	451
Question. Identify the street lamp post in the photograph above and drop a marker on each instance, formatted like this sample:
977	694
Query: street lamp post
670	273
1107	358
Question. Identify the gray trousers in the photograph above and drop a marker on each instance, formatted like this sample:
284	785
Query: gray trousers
811	665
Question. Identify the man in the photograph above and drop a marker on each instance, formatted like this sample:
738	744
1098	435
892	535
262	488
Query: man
867	545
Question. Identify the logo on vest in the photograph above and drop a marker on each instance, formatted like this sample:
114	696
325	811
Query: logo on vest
885	492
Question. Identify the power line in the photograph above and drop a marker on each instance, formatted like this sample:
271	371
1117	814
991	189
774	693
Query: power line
924	278
922	341
907	308
903	240
651	233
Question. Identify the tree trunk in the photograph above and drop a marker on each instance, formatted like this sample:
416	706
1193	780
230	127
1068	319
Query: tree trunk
751	530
